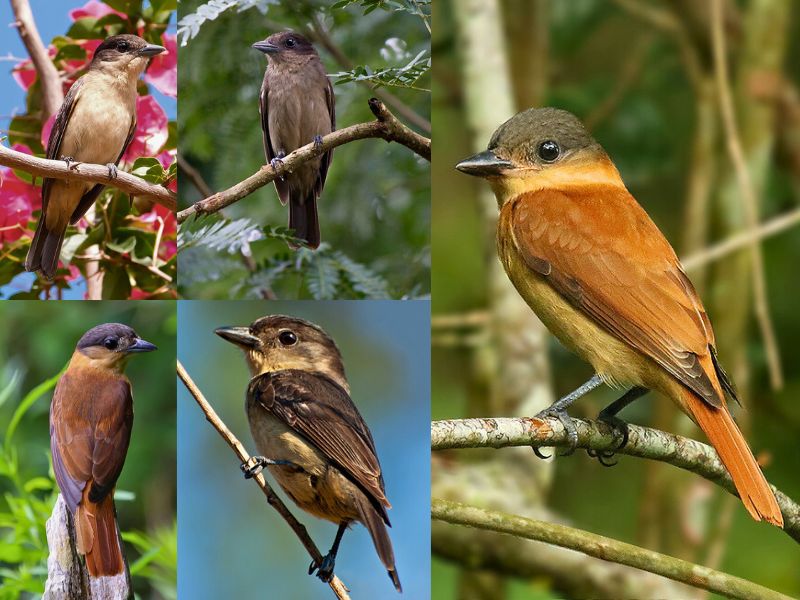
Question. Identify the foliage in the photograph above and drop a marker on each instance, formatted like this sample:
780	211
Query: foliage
136	242
375	209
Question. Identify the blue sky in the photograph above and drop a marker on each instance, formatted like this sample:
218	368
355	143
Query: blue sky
52	18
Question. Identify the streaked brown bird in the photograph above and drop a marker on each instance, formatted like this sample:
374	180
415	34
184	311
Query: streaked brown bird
91	417
95	124
603	279
315	443
297	107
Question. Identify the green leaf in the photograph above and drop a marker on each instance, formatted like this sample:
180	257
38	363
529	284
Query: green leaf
86	28
217	233
5	394
124	247
116	283
322	278
132	8
25	405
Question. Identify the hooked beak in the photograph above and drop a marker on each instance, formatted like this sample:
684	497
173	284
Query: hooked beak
151	50
484	164
266	47
240	336
141	346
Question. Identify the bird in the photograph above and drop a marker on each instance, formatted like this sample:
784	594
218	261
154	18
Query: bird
297	107
95	124
91	417
599	274
313	439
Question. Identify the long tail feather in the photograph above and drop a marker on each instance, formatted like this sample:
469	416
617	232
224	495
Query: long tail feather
380	537
98	537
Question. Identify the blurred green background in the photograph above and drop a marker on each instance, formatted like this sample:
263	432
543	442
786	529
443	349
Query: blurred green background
36	342
640	75
232	544
375	208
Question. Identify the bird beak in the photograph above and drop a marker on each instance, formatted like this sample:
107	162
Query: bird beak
485	164
141	346
151	50
240	336
266	47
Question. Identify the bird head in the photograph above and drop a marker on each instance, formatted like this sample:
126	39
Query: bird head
127	52
286	46
279	342
110	345
538	148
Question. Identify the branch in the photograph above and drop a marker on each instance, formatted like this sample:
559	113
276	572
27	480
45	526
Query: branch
194	176
748	192
643	442
602	547
386	126
78	171
339	589
52	93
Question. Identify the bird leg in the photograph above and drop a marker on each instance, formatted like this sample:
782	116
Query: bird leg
609	416
256	464
559	410
317	141
277	162
324	568
112	170
69	160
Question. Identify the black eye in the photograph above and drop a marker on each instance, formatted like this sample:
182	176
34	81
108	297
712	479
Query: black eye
290	43
549	151
110	343
287	338
122	46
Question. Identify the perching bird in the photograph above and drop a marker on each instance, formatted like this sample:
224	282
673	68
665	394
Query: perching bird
297	108
603	279
91	417
95	124
314	441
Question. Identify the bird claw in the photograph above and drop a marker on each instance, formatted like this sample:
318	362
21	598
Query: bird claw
112	170
256	464
324	568
317	141
619	426
69	160
569	427
277	164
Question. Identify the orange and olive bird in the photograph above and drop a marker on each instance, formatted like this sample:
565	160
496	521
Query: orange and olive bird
90	428
603	279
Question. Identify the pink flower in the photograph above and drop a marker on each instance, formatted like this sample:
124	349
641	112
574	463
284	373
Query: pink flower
94	9
18	200
151	129
162	73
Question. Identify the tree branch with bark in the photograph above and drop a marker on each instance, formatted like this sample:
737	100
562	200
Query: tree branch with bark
336	585
386	126
643	442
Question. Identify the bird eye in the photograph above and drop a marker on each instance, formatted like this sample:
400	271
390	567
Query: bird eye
290	43
287	338
110	343
122	46
549	151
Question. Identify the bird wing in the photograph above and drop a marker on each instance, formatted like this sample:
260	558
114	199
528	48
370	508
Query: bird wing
326	158
601	252
57	134
269	151
89	445
320	410
89	197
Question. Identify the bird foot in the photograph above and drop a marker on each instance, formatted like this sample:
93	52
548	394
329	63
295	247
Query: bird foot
619	426
569	427
277	164
324	568
317	141
256	464
112	170
69	160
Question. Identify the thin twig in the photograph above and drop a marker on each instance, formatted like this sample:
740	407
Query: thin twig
643	442
299	530
52	92
194	176
748	192
602	547
58	169
386	126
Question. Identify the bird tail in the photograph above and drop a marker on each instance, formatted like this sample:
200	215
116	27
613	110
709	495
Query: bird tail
303	217
45	249
724	435
376	526
97	537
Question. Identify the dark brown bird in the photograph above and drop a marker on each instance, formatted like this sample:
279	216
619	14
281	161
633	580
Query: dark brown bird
90	427
95	124
314	441
297	107
600	275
